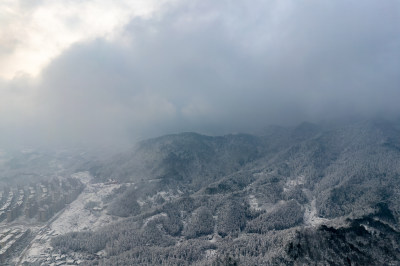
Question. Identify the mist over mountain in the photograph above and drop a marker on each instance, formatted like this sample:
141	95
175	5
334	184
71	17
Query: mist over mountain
192	66
201	132
323	193
307	194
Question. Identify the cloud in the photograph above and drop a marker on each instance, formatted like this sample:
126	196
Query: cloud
32	33
215	67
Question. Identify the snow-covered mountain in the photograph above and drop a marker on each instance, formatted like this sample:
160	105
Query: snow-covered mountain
311	194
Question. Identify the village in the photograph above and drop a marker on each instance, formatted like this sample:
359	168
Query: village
31	206
85	212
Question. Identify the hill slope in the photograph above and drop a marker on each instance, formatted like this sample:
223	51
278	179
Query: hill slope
302	195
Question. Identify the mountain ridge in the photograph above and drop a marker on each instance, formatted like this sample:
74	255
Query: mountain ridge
337	185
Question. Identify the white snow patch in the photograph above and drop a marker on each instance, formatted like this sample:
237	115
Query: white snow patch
84	177
77	218
290	184
166	195
253	203
210	253
369	229
310	215
141	202
163	214
215	238
74	218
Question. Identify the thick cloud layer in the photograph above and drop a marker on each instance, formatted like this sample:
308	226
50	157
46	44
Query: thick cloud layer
32	33
214	67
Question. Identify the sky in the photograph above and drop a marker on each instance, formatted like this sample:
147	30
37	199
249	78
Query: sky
113	72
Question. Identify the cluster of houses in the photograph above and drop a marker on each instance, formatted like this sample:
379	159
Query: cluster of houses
38	201
58	260
9	239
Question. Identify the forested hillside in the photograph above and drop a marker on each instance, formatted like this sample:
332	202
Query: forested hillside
294	196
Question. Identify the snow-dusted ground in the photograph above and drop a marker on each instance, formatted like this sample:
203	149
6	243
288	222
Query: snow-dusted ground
160	215
253	203
310	215
74	217
292	183
166	195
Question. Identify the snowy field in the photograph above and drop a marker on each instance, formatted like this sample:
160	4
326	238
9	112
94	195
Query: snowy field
310	215
75	217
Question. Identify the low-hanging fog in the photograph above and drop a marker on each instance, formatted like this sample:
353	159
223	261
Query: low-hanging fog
208	66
